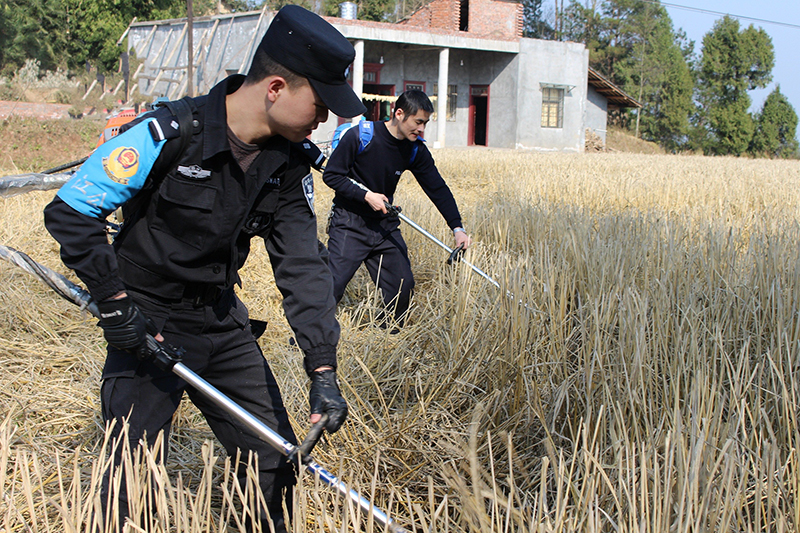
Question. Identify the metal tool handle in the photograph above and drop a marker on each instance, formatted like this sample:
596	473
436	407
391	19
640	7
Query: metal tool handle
303	452
449	250
455	255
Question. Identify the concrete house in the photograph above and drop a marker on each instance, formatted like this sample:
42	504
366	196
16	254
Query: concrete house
491	86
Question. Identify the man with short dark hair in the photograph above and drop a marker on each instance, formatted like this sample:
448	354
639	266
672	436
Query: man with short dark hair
365	179
196	186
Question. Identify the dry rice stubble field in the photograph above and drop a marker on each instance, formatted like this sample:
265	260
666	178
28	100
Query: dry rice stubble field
646	381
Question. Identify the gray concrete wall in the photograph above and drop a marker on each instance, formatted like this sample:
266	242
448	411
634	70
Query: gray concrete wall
596	113
497	70
503	114
551	62
459	75
514	72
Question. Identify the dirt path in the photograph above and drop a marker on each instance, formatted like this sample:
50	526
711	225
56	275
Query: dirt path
28	109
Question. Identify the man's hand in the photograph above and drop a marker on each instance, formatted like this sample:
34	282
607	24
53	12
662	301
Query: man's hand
377	201
461	238
125	327
325	397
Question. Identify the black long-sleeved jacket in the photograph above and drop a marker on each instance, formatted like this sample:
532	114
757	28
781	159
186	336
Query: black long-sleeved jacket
379	168
194	224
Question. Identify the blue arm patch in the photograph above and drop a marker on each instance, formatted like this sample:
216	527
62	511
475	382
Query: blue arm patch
114	173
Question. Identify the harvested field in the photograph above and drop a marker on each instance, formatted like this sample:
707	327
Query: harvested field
647	382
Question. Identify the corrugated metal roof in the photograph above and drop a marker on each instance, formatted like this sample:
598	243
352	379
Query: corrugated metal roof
613	94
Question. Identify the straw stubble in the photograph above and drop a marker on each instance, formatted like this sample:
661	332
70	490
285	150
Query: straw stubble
641	377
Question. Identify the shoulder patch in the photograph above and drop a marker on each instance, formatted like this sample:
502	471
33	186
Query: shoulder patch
114	172
308	190
163	128
312	153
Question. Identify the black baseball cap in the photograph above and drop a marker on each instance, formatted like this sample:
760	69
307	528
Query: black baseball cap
308	45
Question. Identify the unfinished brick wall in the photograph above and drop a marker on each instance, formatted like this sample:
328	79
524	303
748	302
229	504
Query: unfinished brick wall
491	19
495	19
439	14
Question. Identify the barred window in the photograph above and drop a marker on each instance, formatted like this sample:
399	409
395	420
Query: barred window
552	107
452	100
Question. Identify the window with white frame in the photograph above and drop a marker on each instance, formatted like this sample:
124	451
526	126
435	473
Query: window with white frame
552	107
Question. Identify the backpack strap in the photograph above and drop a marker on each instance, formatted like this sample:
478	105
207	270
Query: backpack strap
339	132
182	110
364	134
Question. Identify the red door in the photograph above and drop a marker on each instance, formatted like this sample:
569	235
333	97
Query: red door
478	115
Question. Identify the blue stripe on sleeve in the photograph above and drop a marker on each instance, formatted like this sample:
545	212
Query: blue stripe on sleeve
114	172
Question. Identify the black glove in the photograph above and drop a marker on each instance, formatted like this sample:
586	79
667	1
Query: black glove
125	327
325	397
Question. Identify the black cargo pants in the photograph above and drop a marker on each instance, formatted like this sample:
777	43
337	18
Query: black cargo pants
221	349
378	243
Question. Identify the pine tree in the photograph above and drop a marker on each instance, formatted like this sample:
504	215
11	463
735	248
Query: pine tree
632	42
33	29
534	24
776	128
732	63
657	74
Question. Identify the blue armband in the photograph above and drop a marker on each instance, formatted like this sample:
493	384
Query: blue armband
114	173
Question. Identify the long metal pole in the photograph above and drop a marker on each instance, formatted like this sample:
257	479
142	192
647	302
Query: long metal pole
34	181
396	211
443	245
269	436
77	295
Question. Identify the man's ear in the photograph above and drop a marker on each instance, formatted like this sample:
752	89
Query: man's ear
275	84
399	114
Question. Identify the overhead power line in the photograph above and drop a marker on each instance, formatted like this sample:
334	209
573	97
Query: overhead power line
720	13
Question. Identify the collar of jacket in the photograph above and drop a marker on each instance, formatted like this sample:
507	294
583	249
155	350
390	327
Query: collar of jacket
215	135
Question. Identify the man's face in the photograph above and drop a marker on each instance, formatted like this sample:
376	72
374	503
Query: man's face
412	126
297	111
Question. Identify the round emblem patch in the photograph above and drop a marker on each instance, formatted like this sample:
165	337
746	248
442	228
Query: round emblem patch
121	164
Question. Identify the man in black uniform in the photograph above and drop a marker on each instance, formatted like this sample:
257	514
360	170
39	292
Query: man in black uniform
191	206
364	170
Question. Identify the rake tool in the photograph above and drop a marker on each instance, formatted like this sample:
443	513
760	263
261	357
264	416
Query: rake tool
169	360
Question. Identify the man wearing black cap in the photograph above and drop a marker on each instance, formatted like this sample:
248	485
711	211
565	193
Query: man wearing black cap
197	181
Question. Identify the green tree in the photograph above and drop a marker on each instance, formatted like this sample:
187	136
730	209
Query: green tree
655	72
6	31
96	25
632	43
776	128
32	29
592	25
534	24
732	63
